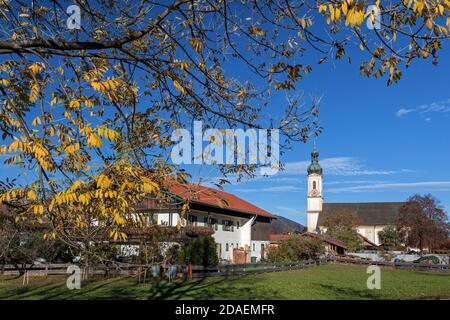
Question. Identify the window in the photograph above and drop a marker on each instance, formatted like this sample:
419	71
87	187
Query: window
193	220
237	224
213	222
227	225
254	248
314	185
226	247
205	221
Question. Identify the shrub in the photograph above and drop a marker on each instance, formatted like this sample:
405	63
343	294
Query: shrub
296	248
200	251
103	252
172	255
150	252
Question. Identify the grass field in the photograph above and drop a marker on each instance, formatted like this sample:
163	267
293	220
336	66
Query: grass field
324	282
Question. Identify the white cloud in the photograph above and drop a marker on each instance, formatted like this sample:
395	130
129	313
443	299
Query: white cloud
329	183
271	189
424	186
294	174
442	106
401	112
339	166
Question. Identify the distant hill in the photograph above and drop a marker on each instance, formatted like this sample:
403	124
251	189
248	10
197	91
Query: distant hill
284	225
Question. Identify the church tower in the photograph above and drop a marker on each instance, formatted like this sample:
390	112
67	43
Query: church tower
315	195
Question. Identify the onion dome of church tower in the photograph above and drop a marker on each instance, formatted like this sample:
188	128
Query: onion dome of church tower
314	166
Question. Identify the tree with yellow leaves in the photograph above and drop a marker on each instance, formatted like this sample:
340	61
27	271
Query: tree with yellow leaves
88	113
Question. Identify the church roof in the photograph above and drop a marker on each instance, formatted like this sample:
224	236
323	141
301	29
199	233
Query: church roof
369	213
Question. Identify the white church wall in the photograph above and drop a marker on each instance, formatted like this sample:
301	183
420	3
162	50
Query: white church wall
371	233
312	221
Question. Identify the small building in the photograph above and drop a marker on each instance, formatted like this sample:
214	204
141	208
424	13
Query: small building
332	245
276	239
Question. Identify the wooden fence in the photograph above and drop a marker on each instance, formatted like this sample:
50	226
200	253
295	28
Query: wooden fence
241	269
219	270
61	269
398	265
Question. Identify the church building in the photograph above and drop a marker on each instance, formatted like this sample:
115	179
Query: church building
373	216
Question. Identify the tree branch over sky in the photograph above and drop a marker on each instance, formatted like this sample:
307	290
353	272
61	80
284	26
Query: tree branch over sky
90	111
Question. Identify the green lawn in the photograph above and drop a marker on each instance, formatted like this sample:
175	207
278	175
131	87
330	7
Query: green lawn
324	282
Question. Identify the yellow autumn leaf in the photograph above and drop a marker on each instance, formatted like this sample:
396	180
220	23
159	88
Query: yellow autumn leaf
31	195
344	7
195	43
38	209
36	121
36	67
34	92
179	87
103	182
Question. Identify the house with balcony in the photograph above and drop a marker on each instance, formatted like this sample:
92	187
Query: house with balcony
240	229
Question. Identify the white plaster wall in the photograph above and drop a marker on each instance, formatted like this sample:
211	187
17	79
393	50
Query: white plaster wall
239	237
256	252
312	221
315	204
371	232
246	232
164	218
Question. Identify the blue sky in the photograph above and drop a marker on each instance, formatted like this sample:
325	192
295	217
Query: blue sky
380	143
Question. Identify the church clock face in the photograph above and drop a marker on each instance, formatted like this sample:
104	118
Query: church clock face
314	193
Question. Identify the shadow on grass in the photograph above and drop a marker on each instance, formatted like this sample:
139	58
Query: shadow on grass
237	287
349	293
53	288
31	291
198	289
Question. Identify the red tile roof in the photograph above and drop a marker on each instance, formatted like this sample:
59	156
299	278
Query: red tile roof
213	197
279	237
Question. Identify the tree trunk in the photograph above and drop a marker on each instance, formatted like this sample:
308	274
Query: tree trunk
87	260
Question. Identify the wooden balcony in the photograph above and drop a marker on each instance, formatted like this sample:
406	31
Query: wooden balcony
193	231
155	205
